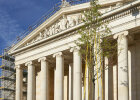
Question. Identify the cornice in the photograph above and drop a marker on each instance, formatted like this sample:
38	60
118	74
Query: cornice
121	11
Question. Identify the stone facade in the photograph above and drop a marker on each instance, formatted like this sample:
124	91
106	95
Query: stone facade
54	65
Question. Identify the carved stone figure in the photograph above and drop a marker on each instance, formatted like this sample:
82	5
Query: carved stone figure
46	33
39	37
64	3
50	31
83	16
71	21
77	19
27	44
59	24
80	18
53	29
57	27
64	22
74	20
33	41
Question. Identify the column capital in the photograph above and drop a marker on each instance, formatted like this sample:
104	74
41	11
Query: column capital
17	67
124	33
57	54
71	64
76	48
28	63
42	59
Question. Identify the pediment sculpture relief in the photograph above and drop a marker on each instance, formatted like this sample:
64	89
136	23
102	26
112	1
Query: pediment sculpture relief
65	22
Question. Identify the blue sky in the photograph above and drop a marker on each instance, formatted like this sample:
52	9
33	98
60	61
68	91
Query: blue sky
17	15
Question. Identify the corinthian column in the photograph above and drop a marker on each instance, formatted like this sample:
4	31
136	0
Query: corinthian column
19	83
31	81
77	65
59	77
44	78
122	65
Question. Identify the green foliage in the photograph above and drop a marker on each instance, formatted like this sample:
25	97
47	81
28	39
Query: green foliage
95	32
95	43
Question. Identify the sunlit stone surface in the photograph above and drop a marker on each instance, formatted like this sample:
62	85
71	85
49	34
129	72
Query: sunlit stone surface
55	67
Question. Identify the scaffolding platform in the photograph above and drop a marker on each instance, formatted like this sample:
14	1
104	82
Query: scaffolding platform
7	89
6	57
7	78
7	68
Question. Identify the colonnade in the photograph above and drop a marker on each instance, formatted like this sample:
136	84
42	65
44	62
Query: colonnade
75	75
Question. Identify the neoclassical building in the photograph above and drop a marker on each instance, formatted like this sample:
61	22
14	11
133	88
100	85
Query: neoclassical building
55	68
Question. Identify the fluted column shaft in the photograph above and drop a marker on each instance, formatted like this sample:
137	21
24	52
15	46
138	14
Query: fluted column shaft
77	65
106	79
59	76
122	66
31	88
71	81
44	79
55	83
19	83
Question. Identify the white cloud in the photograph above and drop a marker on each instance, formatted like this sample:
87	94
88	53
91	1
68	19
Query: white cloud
9	28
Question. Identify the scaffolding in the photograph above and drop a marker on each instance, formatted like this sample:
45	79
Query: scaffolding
7	77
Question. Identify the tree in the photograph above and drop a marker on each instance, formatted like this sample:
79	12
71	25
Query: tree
95	44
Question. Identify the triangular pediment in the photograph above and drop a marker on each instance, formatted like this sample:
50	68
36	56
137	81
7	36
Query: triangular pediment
62	20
